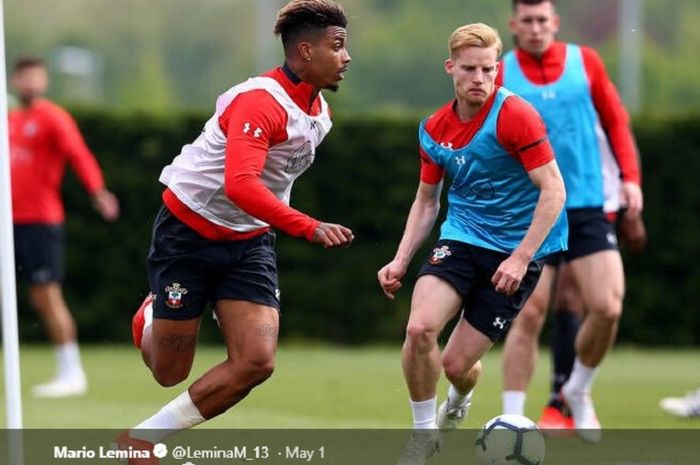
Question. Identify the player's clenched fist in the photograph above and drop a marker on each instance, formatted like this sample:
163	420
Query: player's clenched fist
332	235
390	278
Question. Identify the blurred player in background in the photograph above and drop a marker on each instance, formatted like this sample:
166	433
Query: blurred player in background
684	407
43	139
503	219
567	304
212	241
569	86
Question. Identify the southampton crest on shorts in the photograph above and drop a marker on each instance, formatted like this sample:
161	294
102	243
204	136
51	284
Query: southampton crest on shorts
175	292
439	254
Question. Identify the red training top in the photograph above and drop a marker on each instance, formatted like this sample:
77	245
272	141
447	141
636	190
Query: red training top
43	138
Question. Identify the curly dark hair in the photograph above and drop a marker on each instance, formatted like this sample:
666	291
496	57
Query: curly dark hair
300	17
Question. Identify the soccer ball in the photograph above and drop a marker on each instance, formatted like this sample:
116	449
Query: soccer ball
509	440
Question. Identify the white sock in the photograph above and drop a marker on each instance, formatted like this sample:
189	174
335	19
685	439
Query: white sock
148	316
424	414
454	397
581	378
68	361
513	402
179	414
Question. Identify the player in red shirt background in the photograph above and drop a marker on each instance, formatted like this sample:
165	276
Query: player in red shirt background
43	139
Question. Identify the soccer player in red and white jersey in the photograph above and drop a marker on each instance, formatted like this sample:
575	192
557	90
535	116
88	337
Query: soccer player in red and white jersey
212	238
569	86
43	139
503	220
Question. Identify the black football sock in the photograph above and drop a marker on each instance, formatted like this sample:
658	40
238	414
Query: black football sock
563	342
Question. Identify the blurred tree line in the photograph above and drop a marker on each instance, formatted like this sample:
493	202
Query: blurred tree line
365	176
158	55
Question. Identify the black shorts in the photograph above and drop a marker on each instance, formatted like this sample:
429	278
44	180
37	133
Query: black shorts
589	232
469	270
187	272
39	252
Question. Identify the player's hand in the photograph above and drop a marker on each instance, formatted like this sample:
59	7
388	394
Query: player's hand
632	232
106	205
632	199
510	274
332	235
390	278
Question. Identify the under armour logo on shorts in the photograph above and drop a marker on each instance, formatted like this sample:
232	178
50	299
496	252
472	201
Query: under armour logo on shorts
499	322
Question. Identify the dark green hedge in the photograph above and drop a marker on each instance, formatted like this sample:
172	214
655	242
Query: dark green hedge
365	176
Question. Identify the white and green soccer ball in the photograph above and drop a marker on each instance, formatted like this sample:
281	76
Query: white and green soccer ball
509	440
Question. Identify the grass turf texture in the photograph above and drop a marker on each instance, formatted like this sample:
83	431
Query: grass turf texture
319	386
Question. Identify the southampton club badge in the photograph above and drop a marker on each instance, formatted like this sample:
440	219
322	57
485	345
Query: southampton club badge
439	254
175	293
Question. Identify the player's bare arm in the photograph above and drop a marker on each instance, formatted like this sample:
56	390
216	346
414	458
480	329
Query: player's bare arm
547	178
420	222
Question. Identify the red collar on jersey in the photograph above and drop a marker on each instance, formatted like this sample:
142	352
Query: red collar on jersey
300	92
546	68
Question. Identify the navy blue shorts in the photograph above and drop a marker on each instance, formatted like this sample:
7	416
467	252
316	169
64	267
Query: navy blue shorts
589	232
187	272
469	270
39	252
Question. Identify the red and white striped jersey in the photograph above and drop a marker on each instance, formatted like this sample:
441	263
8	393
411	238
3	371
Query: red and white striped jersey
200	177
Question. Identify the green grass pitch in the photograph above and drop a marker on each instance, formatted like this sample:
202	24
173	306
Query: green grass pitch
321	386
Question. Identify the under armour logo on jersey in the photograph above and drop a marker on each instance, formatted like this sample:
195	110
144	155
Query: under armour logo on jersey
549	94
30	129
447	145
612	238
499	322
256	133
461	160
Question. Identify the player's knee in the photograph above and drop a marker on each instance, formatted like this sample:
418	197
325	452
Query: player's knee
168	377
611	313
40	299
420	337
459	368
256	369
454	369
537	304
528	324
607	309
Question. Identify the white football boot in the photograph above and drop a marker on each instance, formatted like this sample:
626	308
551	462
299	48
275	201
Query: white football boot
422	445
585	419
75	385
449	416
684	407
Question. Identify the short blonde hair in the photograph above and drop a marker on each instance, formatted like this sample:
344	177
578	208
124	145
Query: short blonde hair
475	35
